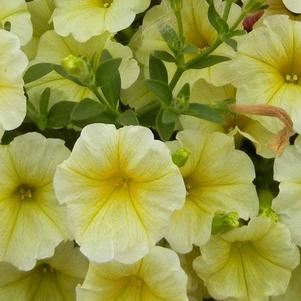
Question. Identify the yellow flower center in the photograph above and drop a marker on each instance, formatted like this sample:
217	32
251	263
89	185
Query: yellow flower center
106	3
291	78
123	182
46	268
25	193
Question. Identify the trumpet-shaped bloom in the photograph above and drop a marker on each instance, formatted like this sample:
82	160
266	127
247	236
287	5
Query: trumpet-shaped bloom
293	292
15	16
197	30
270	56
217	178
120	187
54	48
12	99
158	276
32	221
248	263
287	171
87	18
236	125
52	279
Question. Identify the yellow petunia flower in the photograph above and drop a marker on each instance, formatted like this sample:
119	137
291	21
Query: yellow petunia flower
12	99
15	17
287	171
52	279
54	49
32	221
268	60
249	263
157	276
87	18
293	292
217	178
120	187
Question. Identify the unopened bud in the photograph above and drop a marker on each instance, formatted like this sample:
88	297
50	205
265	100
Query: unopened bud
180	157
224	222
76	66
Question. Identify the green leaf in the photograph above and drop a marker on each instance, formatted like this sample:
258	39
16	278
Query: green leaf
165	130
209	61
169	116
44	102
171	38
164	56
86	109
108	79
232	43
105	56
157	69
147	114
161	89
37	71
203	112
59	115
216	20
128	118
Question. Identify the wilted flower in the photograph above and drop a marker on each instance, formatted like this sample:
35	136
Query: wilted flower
157	276
32	221
120	187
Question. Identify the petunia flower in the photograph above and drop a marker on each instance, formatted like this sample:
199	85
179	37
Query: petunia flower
288	202
32	221
218	178
87	18
12	99
249	263
157	276
120	187
52	279
15	17
293	292
271	68
54	49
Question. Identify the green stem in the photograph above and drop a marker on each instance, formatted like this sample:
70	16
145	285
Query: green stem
176	77
239	19
205	53
180	25
227	9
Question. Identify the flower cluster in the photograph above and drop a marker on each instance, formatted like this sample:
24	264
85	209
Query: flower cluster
150	150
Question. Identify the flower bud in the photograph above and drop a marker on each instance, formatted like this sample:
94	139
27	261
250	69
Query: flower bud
223	222
77	67
180	157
